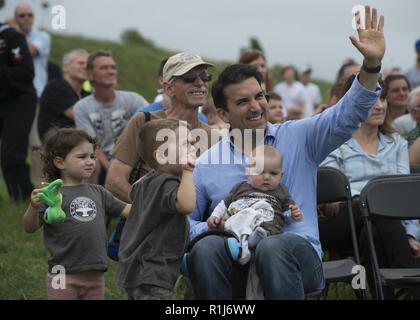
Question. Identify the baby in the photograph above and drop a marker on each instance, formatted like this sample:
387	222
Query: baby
259	207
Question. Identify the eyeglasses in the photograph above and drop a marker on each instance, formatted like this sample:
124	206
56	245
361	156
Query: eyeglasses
22	15
192	77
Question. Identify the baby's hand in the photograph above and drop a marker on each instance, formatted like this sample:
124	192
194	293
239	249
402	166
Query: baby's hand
36	202
296	213
213	223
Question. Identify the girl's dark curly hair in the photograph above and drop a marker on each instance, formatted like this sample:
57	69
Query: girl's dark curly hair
58	142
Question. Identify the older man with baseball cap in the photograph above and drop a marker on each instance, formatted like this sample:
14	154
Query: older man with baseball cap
185	81
179	64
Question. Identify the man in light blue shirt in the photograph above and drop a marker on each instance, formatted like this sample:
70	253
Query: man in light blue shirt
289	264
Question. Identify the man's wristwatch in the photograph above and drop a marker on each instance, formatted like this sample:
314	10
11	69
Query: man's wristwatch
372	70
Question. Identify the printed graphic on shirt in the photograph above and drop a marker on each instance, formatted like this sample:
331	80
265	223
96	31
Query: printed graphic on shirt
16	54
97	123
83	209
250	200
118	120
115	121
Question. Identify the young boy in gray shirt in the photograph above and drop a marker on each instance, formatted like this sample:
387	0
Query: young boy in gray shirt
156	233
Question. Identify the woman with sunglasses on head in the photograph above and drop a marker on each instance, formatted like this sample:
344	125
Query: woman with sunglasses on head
374	150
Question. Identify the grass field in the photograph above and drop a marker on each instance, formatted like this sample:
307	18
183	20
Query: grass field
23	257
138	63
23	261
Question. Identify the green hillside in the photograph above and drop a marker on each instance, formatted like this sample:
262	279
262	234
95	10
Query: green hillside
138	62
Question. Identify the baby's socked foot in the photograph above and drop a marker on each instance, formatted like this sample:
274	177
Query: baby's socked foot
256	236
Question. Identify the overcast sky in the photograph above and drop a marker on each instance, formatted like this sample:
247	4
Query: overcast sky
295	32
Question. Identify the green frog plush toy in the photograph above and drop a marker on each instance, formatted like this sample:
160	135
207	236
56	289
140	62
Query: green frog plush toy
51	196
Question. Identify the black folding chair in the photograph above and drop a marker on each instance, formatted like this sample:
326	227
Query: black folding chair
391	197
333	186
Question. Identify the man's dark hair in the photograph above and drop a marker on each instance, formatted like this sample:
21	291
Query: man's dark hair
233	74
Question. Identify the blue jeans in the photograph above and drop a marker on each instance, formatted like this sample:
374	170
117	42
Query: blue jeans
287	266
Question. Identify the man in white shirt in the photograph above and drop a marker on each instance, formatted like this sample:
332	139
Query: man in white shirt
312	94
292	94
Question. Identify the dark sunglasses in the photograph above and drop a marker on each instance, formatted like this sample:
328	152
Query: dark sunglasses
22	15
192	77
